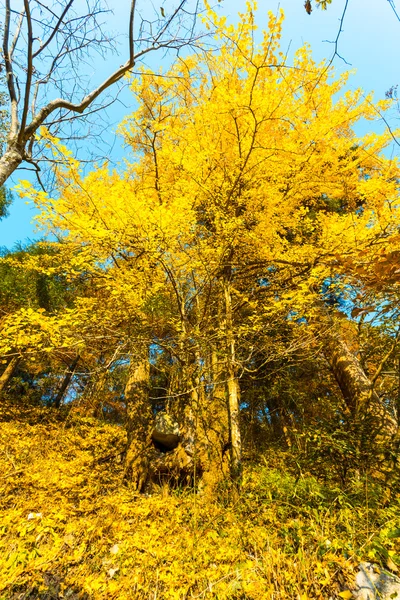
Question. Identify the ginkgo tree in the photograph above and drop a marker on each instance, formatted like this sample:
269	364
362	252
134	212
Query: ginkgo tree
249	191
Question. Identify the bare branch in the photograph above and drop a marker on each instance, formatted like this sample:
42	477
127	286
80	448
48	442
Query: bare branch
80	107
37	172
63	41
17	33
55	29
131	33
336	42
29	68
394	9
169	21
10	73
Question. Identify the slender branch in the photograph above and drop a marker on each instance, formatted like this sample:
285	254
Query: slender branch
394	9
131	32
10	73
87	114
17	33
383	362
58	59
37	171
59	103
169	21
55	29
340	31
29	71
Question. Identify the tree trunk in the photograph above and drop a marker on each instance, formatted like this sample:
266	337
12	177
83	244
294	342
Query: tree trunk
8	373
233	389
213	427
139	421
373	429
361	399
276	421
66	382
9	162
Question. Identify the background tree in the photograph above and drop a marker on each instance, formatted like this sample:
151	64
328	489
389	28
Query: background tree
45	46
5	195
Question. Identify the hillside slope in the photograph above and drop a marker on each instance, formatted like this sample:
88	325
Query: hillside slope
70	528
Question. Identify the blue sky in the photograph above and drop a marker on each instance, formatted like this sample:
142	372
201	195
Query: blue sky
370	42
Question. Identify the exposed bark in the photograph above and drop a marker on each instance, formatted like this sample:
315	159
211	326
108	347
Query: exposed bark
8	373
213	427
358	391
139	421
233	389
66	382
186	406
9	162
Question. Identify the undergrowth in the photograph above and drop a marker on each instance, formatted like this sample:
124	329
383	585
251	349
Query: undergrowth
70	529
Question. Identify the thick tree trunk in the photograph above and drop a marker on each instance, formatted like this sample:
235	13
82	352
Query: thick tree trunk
8	373
9	162
234	427
139	421
361	399
66	382
213	427
375	431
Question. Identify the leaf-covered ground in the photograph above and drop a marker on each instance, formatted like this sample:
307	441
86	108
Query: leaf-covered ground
69	528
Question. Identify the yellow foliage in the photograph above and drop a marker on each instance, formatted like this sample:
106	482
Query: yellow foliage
240	160
67	524
245	170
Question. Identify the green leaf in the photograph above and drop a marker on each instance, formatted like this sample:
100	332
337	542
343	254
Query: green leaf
395	533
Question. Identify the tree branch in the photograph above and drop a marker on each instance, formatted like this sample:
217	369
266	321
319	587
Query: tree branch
59	103
29	69
10	73
55	29
131	32
17	33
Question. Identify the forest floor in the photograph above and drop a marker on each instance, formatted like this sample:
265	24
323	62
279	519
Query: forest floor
70	528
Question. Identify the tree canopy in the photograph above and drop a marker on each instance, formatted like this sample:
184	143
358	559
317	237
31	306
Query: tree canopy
229	295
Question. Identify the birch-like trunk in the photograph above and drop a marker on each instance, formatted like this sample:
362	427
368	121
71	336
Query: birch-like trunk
8	373
233	388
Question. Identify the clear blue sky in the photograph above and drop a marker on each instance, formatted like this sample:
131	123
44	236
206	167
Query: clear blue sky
370	43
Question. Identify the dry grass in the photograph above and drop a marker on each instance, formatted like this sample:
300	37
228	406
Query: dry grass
70	529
